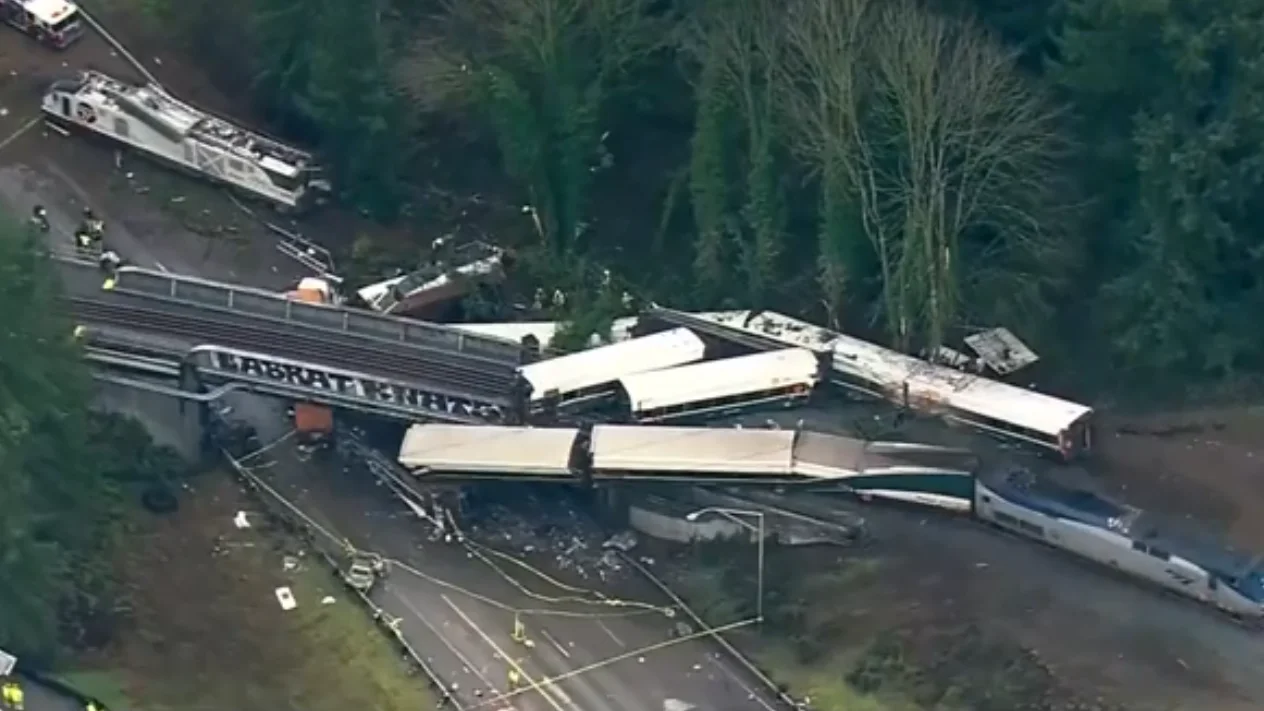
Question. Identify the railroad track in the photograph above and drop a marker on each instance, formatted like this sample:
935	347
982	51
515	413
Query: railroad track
454	373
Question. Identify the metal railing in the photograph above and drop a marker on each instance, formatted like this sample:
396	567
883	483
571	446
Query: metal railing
248	301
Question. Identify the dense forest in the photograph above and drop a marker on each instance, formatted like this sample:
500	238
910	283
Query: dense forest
1081	170
64	470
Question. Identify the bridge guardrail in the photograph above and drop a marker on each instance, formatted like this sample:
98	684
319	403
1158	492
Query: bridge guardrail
265	303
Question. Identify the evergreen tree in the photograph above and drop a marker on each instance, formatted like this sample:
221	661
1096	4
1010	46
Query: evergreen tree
52	497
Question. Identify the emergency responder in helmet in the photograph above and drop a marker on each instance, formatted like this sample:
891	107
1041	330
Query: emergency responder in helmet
92	225
110	261
39	217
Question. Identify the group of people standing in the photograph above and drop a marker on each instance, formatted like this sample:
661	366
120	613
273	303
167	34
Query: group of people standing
89	236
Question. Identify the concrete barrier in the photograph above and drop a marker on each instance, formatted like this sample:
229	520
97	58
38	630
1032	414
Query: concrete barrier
170	421
665	520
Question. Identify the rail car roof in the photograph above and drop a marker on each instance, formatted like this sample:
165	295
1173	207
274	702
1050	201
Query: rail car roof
1054	499
891	370
721	378
1051	498
544	331
826	456
606	364
696	450
538	451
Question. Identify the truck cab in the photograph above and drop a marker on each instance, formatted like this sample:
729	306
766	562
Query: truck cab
56	23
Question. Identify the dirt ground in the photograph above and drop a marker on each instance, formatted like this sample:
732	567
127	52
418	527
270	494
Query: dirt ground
1205	465
203	629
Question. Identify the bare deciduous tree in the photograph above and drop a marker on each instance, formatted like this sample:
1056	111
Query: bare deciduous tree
539	72
738	45
823	75
941	143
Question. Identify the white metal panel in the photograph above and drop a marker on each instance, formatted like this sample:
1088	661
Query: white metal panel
48	11
721	378
489	450
700	450
606	364
543	331
7	663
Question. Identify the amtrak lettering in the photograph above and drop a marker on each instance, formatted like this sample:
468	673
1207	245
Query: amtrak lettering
352	385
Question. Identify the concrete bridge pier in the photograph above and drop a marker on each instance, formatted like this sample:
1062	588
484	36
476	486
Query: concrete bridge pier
171	421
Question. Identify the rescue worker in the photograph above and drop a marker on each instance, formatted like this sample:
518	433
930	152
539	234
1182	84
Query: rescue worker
91	706
110	261
83	241
14	696
90	232
6	694
515	680
39	218
93	225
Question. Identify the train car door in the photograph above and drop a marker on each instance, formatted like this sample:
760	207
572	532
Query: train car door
65	106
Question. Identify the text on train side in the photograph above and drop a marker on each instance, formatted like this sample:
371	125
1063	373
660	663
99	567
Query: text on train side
359	386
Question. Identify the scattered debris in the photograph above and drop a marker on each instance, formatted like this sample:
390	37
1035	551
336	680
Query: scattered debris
1001	350
286	598
327	600
241	520
535	527
624	541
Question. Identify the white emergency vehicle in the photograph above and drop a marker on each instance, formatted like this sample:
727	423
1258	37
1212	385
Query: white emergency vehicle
159	126
56	23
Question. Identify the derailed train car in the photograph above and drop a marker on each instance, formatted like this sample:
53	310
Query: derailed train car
1132	541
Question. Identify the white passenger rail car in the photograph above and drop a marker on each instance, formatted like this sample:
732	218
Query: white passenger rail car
720	387
588	377
159	126
1124	538
1053	424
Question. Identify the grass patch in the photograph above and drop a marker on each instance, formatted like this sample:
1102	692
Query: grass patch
850	632
107	686
204	629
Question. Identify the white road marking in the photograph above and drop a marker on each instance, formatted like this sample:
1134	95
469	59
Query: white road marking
544	687
18	133
555	643
610	632
443	638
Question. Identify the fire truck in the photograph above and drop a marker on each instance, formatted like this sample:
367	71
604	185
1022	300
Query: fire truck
56	23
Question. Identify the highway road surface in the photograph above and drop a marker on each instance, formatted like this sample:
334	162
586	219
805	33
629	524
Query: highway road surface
469	640
41	698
